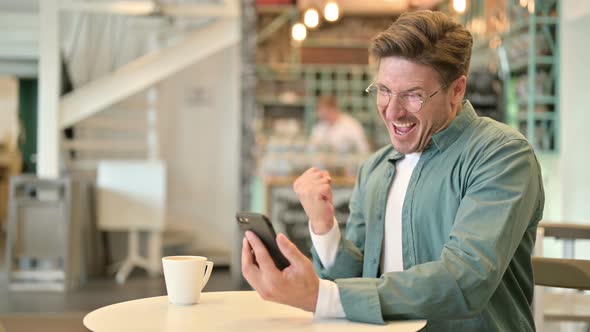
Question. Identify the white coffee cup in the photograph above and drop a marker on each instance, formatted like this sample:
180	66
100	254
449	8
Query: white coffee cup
185	277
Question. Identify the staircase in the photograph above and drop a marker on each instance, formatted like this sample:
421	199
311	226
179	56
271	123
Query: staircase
115	63
120	132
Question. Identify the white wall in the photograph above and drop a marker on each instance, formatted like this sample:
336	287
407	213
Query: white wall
575	110
565	173
570	175
550	169
200	125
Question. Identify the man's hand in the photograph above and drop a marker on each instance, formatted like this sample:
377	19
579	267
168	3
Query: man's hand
315	194
297	285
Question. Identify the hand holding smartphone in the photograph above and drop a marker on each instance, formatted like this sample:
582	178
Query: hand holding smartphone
260	225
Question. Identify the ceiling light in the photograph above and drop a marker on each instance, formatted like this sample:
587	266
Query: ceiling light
331	11
298	32
459	5
311	18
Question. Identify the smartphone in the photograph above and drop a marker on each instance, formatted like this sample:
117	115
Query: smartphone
262	227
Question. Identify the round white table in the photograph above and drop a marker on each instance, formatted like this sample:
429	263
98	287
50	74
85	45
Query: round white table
223	311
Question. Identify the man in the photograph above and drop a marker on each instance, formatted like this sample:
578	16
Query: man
442	222
338	130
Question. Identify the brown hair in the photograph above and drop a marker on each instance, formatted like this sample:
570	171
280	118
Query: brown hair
327	101
429	38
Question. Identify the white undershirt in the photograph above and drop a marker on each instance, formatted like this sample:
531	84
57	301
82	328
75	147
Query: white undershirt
326	245
392	258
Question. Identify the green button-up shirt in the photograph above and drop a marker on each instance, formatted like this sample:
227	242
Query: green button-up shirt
469	222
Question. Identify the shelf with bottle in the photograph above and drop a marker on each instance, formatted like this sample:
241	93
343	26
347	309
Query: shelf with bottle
290	155
524	23
531	43
537	100
538	116
278	101
535	48
520	65
279	85
299	86
519	40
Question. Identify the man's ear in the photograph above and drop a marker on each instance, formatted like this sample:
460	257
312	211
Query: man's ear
458	90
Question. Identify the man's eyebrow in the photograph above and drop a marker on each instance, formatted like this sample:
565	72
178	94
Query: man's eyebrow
415	88
381	86
412	89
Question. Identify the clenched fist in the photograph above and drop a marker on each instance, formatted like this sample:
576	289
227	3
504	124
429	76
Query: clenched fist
314	190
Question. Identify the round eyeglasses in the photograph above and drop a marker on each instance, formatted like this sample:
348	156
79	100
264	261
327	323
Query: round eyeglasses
409	100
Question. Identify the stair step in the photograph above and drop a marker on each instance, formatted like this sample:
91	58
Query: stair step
91	165
134	103
105	145
109	123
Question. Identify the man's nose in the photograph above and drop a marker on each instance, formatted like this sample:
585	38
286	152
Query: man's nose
394	109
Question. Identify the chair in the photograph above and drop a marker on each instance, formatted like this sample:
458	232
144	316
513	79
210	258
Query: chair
561	273
131	197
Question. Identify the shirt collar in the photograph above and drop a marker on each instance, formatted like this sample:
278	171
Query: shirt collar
394	155
449	135
445	138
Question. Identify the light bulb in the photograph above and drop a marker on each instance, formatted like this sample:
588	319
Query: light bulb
460	5
331	12
299	32
311	18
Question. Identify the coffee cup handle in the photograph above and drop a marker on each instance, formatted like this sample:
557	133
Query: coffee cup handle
208	268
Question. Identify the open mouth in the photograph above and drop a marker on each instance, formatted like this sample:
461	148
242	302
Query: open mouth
403	129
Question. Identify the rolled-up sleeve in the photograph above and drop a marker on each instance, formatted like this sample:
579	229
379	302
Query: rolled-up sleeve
348	262
328	304
326	245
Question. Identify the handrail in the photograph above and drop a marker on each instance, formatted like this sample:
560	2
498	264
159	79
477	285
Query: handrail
138	75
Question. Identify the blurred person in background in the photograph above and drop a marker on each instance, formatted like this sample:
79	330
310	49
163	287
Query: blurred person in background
442	221
340	131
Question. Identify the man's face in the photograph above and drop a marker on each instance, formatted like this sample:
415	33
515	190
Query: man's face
327	114
411	132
